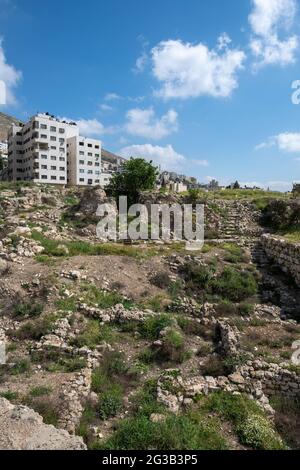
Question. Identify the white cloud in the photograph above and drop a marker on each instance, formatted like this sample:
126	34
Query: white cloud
199	162
91	127
141	62
286	142
267	19
192	70
106	107
144	123
112	97
9	75
166	156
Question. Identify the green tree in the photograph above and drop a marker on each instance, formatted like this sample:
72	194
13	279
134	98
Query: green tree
137	175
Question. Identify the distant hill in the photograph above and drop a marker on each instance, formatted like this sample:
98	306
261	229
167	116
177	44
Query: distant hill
111	157
5	122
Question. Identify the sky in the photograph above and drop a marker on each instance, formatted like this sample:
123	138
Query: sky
203	88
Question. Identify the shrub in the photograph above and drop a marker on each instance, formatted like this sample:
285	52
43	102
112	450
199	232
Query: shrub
161	280
257	433
28	309
93	334
40	391
21	366
110	403
197	275
246	309
235	285
47	409
34	330
151	327
172	348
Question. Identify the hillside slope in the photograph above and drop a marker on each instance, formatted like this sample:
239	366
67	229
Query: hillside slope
5	122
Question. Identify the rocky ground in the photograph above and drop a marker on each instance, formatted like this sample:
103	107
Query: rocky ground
142	346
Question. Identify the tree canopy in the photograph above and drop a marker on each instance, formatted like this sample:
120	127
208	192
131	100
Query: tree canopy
137	175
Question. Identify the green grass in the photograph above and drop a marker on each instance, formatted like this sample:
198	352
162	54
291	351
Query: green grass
21	367
93	334
28	309
192	431
235	285
11	396
151	327
54	360
35	330
250	424
40	391
93	295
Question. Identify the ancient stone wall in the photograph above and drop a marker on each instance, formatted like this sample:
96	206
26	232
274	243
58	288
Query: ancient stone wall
284	253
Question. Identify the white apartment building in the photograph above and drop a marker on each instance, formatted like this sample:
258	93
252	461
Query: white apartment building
37	151
84	161
48	150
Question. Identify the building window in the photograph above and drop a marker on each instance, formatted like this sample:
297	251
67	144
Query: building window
90	181
81	143
44	156
90	145
90	172
44	177
44	167
53	129
97	147
53	168
43	126
62	159
53	157
81	170
53	148
90	163
61	168
43	136
90	154
61	149
81	162
97	181
81	153
53	177
97	164
53	138
81	180
61	141
61	131
62	178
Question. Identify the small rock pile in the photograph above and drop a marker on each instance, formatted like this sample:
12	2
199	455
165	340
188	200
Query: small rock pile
118	313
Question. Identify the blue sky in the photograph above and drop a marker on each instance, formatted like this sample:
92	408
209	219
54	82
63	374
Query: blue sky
201	87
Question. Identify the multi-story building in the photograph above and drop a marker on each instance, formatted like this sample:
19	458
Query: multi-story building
84	161
37	150
49	150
